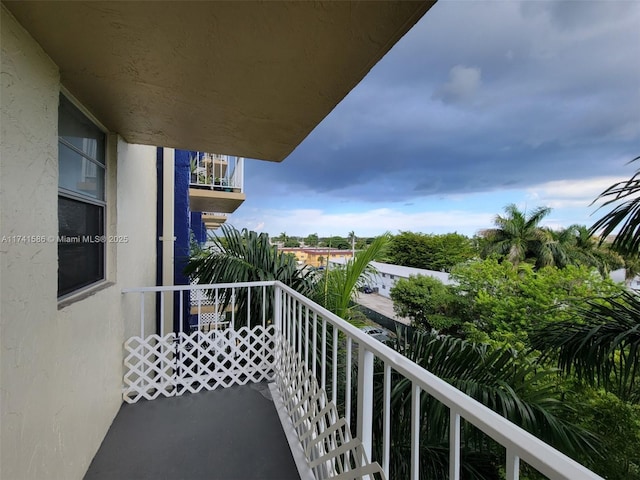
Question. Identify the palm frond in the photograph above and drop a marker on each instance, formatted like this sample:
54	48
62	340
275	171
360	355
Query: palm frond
337	287
601	345
246	256
517	388
627	214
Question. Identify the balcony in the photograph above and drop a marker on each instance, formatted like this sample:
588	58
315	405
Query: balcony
216	183
213	220
319	371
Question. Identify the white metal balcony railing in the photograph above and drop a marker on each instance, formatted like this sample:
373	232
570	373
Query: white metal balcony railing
247	332
217	172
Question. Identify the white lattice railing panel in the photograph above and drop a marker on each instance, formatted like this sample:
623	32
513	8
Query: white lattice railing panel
329	448
174	364
150	366
206	297
207	319
221	358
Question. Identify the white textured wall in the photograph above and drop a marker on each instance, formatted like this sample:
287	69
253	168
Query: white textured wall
136	259
60	369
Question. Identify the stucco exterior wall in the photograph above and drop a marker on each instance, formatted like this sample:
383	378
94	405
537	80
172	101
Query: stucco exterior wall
61	369
136	212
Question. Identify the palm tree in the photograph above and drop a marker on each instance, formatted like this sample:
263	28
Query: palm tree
575	245
352	240
337	287
517	387
246	256
283	237
603	344
590	252
518	237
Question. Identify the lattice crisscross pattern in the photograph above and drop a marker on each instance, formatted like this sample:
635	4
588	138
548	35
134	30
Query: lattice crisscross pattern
174	364
150	366
329	448
208	305
221	358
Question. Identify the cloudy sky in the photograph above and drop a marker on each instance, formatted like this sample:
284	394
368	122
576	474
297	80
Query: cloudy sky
481	104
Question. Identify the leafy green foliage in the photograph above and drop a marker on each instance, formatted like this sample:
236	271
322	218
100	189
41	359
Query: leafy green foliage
518	237
431	252
600	343
617	424
427	302
311	240
291	242
336	287
244	256
516	387
336	242
502	298
576	246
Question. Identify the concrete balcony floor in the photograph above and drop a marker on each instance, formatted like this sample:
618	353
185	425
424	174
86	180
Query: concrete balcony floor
224	434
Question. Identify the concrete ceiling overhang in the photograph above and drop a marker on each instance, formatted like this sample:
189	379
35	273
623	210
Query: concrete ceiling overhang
242	78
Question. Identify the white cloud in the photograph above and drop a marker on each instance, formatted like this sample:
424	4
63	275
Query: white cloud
570	193
373	222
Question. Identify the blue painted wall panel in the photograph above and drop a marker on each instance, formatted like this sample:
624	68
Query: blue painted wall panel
181	215
198	228
182	225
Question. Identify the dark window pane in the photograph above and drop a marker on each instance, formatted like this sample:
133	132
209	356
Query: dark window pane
80	252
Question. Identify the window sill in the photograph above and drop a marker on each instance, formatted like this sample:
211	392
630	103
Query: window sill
84	294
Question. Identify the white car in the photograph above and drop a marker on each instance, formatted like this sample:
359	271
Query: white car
377	333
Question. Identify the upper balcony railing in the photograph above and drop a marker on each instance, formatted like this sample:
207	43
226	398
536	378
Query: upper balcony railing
217	172
273	323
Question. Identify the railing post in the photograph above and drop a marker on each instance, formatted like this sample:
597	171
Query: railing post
365	398
141	314
386	420
415	431
277	308
513	465
454	445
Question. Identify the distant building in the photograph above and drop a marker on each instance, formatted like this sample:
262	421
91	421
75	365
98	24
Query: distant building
388	274
318	257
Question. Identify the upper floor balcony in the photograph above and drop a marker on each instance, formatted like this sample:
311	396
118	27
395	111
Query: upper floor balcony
335	406
216	183
213	220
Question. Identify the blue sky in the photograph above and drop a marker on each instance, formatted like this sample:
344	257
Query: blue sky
481	104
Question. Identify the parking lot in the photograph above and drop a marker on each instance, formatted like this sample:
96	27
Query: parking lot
380	304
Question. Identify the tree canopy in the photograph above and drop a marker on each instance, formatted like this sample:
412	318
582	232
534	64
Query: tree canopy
517	236
430	252
311	240
427	302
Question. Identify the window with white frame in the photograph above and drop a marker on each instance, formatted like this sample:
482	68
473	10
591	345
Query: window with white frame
81	200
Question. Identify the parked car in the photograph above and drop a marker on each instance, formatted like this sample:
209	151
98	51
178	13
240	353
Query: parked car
376	332
367	289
